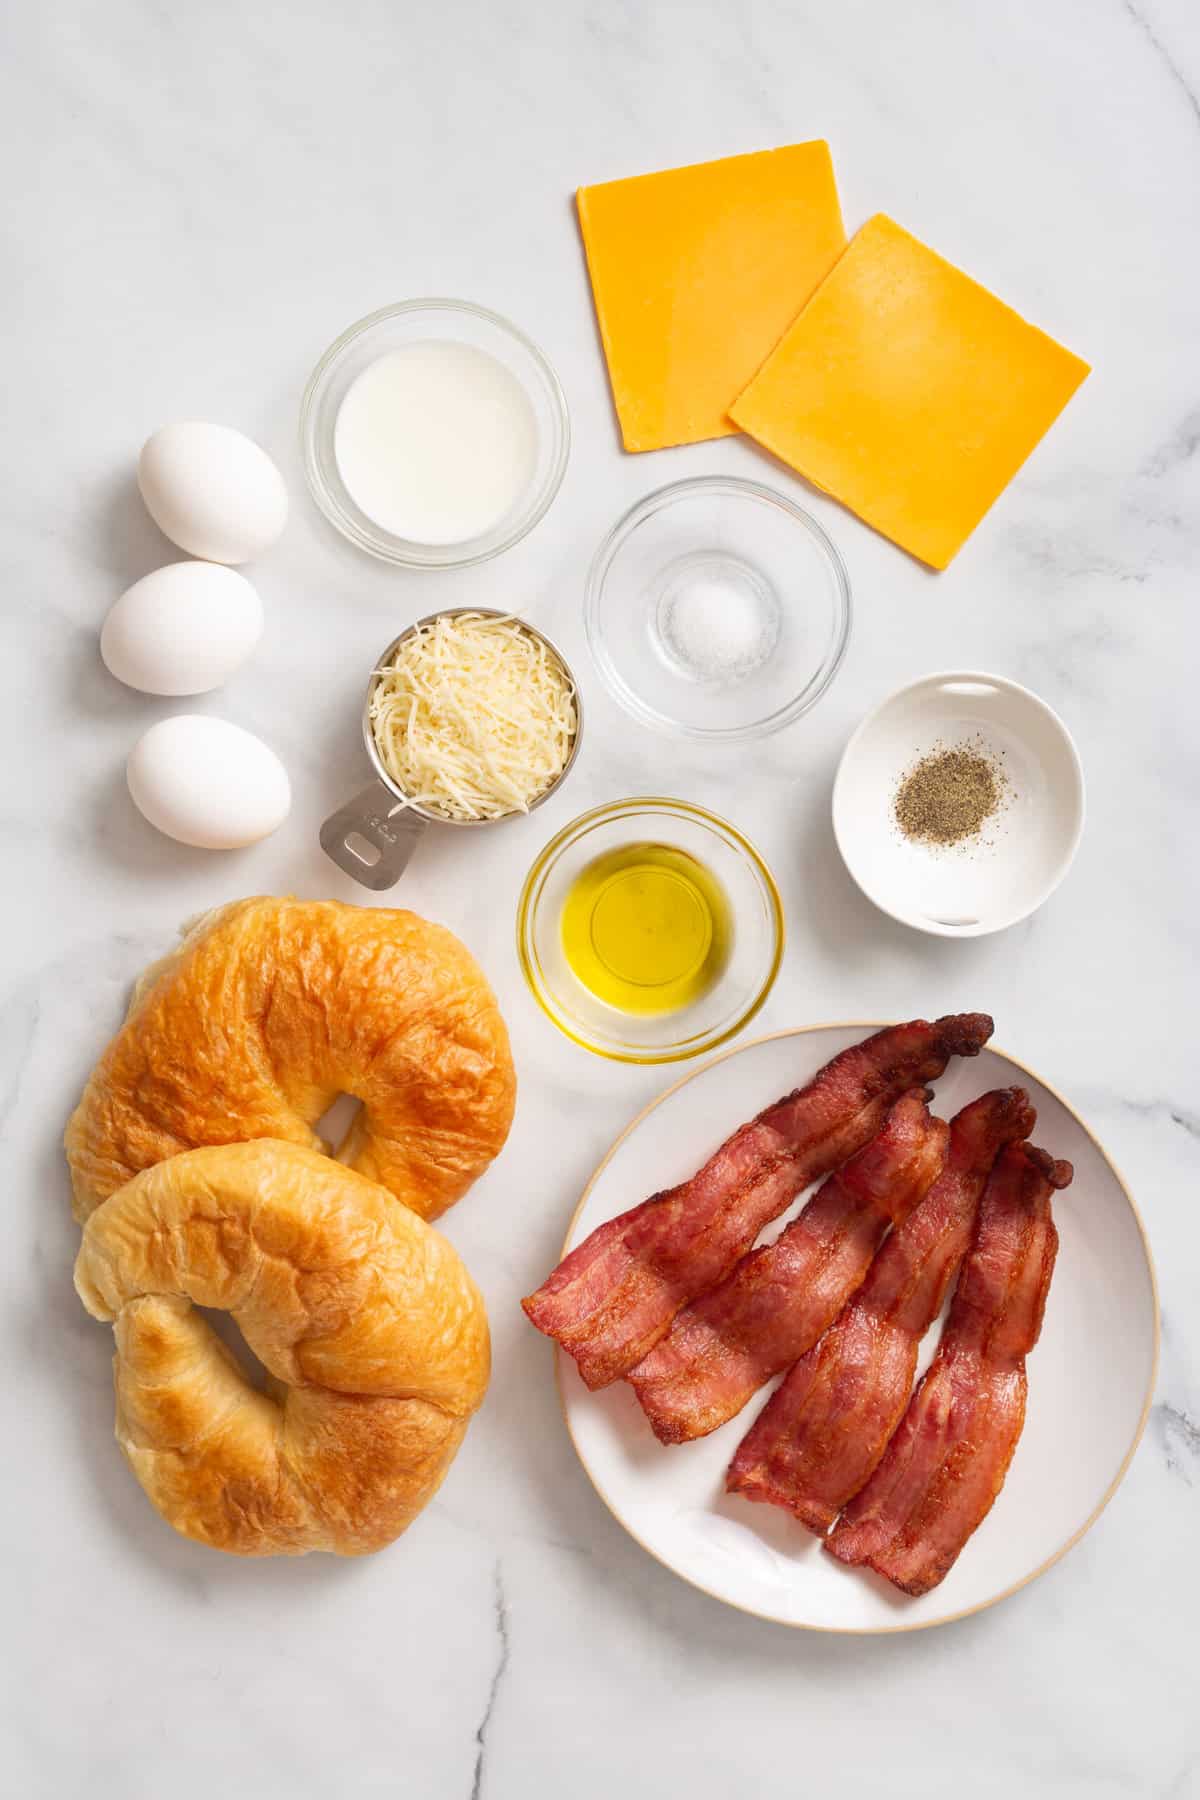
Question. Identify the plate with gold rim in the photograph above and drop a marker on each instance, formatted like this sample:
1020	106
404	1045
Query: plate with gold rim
1091	1376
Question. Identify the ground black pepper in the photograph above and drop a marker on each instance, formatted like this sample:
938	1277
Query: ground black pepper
950	793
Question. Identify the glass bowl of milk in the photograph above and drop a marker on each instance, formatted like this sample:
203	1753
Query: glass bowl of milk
434	433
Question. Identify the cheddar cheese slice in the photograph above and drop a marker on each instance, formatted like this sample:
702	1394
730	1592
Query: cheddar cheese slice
908	392
696	275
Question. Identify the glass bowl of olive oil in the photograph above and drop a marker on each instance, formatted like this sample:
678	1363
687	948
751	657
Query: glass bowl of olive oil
650	930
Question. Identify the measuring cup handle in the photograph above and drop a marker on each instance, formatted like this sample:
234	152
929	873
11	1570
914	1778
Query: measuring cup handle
372	819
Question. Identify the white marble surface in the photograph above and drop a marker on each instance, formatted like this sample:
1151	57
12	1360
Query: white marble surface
197	199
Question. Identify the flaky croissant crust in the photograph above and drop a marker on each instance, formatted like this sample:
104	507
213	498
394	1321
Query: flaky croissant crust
267	1011
372	1330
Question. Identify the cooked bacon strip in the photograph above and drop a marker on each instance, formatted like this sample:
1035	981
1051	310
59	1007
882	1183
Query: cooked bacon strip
827	1425
945	1465
614	1296
781	1297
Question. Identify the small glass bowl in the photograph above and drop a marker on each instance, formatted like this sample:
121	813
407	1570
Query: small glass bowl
756	912
420	321
710	538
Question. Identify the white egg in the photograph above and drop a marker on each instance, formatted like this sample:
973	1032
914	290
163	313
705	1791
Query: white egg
208	783
212	490
183	629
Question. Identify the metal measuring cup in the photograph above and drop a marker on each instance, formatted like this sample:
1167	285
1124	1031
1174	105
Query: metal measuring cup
381	819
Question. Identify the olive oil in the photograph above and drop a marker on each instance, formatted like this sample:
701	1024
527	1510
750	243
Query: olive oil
646	928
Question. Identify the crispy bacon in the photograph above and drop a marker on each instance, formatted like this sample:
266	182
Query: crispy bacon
947	1461
782	1296
614	1296
827	1425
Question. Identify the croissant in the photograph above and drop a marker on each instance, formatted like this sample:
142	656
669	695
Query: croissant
269	1009
371	1328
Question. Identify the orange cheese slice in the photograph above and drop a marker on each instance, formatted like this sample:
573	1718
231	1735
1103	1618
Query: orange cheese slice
696	275
908	392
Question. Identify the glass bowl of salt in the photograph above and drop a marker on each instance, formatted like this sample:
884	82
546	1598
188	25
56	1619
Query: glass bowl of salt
717	609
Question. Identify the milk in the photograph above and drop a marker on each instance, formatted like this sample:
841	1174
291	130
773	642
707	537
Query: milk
436	442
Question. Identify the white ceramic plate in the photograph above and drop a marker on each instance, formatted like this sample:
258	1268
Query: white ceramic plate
1091	1376
962	890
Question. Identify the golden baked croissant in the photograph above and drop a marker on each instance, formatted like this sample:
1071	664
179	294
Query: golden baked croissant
364	1312
266	1012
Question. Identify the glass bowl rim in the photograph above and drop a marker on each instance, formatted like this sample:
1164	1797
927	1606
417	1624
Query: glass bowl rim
398	551
646	1055
618	534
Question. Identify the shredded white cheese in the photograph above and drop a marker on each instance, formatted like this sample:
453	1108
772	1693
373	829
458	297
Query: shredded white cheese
473	717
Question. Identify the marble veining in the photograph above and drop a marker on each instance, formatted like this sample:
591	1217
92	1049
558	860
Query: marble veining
198	199
1177	76
498	1673
1180	1436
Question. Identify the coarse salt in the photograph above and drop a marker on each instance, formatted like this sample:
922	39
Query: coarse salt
718	631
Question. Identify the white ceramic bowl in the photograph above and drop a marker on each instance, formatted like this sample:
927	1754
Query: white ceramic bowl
987	883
